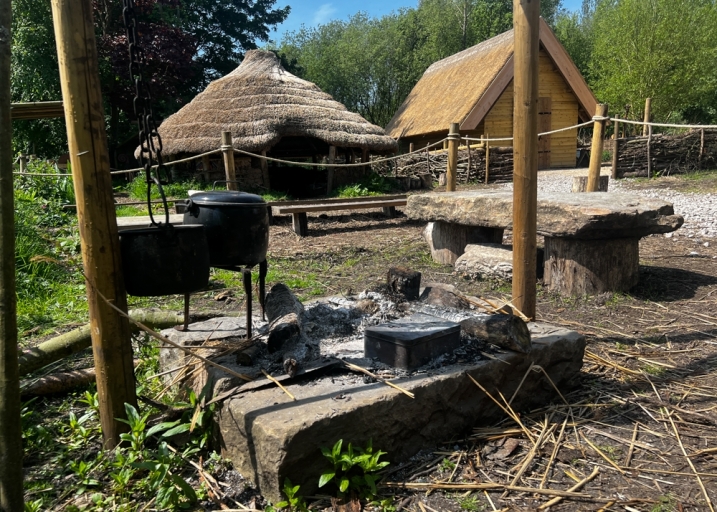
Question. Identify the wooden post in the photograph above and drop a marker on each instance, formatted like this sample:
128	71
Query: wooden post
410	147
206	168
451	168
265	171
526	16
330	172
23	162
428	160
87	141
365	158
702	147
228	152
596	148
615	151
11	493
468	148
649	156
487	158
646	118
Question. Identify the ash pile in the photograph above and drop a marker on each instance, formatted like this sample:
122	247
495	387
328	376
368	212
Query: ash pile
394	330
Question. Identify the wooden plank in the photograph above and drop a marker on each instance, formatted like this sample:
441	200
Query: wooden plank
331	200
311	208
124	223
567	68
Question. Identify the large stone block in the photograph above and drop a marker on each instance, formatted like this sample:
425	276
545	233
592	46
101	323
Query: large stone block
270	437
587	216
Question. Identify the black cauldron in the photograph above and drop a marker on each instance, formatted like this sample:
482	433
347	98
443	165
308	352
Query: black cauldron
236	226
164	260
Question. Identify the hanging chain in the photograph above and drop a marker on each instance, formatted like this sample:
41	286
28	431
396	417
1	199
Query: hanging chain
150	142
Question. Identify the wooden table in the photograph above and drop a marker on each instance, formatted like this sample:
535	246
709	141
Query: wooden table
591	239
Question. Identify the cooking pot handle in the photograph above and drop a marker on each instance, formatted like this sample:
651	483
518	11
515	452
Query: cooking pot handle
214	185
191	208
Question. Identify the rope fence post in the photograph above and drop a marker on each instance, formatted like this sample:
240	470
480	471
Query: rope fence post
23	162
487	158
330	170
615	150
596	149
649	157
264	164
646	118
451	168
228	153
468	172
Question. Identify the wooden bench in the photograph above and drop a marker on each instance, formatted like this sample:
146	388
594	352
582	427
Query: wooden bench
144	221
591	239
299	209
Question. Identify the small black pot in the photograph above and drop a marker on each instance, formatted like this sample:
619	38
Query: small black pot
236	224
164	260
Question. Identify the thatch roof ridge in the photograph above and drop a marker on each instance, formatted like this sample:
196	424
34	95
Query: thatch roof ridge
260	102
506	38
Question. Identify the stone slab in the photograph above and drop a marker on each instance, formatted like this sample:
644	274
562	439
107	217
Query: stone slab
486	260
592	215
269	437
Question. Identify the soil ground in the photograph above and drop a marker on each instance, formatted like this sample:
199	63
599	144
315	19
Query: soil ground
642	415
637	432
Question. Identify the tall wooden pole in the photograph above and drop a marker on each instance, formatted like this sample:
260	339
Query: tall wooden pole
330	170
596	149
615	150
228	153
526	18
87	141
11	497
487	158
452	167
646	117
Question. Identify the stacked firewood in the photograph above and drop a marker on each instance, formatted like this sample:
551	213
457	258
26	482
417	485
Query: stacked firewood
470	167
669	154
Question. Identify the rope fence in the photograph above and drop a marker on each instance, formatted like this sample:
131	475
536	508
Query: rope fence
423	150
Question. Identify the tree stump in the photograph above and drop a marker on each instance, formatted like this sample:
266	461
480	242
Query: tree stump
448	241
580	267
404	281
580	183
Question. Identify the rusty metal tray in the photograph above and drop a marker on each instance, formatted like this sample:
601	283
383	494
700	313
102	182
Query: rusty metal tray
411	342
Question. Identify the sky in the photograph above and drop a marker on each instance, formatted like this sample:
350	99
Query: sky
316	12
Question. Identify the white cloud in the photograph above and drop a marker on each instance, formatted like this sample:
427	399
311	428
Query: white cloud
324	13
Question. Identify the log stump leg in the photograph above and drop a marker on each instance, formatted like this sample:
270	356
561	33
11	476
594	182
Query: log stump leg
580	267
389	211
300	223
448	241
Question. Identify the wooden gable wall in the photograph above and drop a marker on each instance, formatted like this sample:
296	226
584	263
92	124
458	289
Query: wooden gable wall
499	120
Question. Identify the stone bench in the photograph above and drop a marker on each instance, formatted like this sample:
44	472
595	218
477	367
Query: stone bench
591	239
299	209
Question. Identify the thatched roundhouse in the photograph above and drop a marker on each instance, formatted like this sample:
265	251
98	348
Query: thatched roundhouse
475	89
270	111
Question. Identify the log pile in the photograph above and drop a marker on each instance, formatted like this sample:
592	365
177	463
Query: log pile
669	154
470	167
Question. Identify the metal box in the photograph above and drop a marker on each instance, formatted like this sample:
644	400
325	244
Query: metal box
411	342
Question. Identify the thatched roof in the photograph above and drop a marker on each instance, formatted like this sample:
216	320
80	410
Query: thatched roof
463	87
260	102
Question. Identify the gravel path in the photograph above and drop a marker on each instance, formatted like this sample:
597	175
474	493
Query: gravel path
699	210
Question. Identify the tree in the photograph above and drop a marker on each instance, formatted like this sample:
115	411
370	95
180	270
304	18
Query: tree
575	31
187	44
661	49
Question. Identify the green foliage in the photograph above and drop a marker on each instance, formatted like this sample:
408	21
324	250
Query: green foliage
472	504
354	470
293	502
372	185
137	189
659	49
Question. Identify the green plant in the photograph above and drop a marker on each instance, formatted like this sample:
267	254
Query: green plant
447	465
293	502
353	470
371	185
471	504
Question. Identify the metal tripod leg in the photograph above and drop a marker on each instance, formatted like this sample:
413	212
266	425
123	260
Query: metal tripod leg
185	326
246	274
263	269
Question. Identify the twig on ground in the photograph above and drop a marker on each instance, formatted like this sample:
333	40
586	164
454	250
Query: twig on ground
575	487
272	379
383	381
